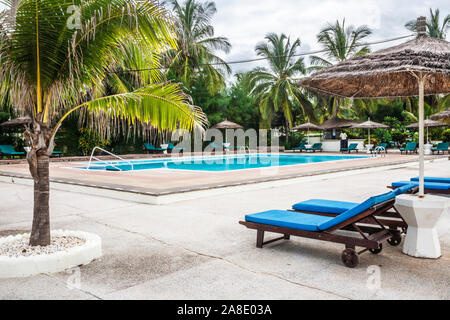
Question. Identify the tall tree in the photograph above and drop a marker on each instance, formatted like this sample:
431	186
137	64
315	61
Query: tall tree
197	45
53	58
341	42
435	28
274	88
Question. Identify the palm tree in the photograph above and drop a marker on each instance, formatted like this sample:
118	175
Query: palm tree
53	63
197	45
274	88
435	29
341	42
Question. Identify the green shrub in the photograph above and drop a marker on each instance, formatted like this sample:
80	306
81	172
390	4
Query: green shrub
399	137
90	139
446	135
294	139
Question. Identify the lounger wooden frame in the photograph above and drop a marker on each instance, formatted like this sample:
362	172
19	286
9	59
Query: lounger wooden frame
368	237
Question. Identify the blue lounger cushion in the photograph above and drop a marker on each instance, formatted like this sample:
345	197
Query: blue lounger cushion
288	219
433	179
313	222
405	188
357	210
428	185
324	206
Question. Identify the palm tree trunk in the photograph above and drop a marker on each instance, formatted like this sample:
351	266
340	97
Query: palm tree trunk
40	231
286	128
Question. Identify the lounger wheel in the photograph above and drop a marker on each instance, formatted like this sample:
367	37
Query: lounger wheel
395	240
350	258
378	250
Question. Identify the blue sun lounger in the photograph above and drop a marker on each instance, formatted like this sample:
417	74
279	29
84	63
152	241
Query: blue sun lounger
430	187
149	147
322	227
335	207
9	151
433	179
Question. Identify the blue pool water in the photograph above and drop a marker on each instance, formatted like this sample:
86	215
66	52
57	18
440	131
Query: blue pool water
218	163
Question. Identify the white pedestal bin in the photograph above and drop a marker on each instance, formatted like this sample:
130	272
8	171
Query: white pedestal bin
165	146
422	216
427	148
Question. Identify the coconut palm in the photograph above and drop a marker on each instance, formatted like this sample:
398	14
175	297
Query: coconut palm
197	45
435	28
274	88
53	59
341	42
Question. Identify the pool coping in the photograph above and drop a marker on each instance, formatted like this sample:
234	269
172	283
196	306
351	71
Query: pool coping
140	191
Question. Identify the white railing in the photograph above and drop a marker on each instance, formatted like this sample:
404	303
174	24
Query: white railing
379	150
106	162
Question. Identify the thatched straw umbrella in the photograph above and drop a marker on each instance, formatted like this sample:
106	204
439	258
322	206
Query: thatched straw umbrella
306	127
417	67
428	124
369	125
227	125
444	115
22	121
337	123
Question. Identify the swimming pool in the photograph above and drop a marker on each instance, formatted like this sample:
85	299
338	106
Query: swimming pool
218	163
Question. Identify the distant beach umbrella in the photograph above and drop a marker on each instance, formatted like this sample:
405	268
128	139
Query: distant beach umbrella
21	121
227	125
369	125
337	123
428	124
443	115
420	67
306	127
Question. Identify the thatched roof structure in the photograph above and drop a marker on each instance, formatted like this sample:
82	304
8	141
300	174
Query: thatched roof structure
337	123
227	125
369	125
388	72
16	122
428	124
444	115
306	127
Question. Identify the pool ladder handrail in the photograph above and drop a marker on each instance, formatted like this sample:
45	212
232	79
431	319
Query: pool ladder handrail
379	150
108	163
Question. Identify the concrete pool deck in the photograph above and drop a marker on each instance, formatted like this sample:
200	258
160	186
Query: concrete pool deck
158	186
195	249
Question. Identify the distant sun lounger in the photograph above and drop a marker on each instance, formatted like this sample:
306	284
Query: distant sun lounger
301	147
351	147
315	147
9	151
410	147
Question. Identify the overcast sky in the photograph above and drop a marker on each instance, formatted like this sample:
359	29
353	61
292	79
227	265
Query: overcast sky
246	22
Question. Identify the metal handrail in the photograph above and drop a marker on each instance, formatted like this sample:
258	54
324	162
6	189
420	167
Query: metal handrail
108	163
379	150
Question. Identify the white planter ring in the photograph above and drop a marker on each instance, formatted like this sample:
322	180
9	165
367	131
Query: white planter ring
12	267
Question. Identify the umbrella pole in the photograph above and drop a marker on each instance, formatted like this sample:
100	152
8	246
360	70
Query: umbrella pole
421	137
308	136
